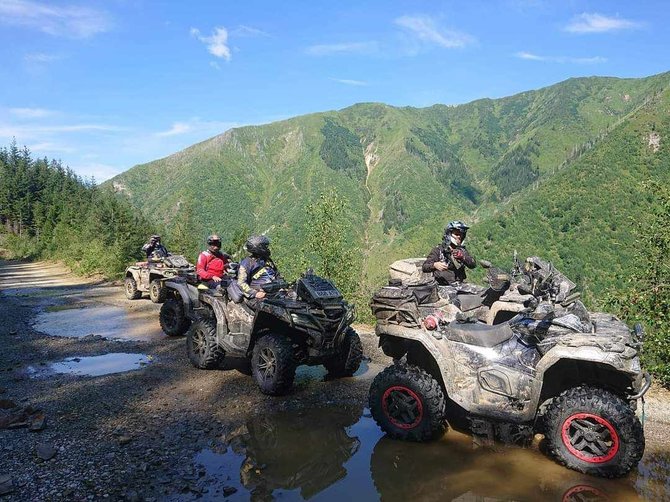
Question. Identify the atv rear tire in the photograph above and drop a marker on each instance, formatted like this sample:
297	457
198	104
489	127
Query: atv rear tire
203	350
273	364
172	318
346	363
593	431
157	293
130	287
408	403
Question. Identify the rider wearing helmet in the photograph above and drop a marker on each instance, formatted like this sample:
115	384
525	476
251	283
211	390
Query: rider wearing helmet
447	261
211	265
256	269
154	248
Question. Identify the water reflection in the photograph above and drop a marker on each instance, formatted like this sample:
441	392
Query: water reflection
336	454
93	365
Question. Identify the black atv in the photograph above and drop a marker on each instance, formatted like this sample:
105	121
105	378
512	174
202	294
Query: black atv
306	323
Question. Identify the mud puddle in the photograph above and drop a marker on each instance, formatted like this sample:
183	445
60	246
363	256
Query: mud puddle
306	374
92	365
106	321
340	453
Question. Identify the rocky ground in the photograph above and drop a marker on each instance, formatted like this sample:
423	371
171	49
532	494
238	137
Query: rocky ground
133	435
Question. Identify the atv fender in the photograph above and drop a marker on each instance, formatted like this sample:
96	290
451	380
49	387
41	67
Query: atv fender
133	272
615	367
233	325
187	293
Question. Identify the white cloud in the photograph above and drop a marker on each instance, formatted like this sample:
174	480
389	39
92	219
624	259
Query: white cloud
425	29
248	31
347	47
217	44
560	59
598	23
31	113
196	126
41	58
176	129
347	81
49	147
67	21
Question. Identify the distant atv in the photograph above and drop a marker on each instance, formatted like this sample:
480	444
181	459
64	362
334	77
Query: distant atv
148	276
553	369
308	323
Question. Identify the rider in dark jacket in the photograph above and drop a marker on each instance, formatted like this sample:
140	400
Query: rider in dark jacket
154	248
447	261
256	269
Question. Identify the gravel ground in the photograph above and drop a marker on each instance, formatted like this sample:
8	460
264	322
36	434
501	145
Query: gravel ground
127	435
133	435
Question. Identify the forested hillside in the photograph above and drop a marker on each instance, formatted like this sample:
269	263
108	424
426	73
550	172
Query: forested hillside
555	172
48	211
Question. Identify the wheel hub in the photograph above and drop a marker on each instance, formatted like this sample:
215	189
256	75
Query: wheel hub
590	438
402	407
267	364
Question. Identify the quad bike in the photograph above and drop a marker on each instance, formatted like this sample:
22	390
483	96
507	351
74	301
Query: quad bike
553	368
149	276
308	323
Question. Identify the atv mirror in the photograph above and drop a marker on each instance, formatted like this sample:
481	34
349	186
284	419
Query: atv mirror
484	263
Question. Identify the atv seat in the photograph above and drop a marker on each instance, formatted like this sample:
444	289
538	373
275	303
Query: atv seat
481	335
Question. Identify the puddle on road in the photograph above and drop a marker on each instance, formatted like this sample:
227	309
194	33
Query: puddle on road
340	453
105	321
93	365
306	374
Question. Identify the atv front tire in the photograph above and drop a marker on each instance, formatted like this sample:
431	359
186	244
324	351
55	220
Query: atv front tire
130	288
346	363
273	364
408	403
172	317
203	350
157	293
593	431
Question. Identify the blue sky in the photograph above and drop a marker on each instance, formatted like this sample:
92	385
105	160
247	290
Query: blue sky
105	85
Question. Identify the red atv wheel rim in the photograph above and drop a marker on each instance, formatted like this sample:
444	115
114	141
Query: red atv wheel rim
590	438
402	406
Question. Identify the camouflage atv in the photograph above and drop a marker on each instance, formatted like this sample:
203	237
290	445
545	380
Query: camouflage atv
308	323
148	276
553	368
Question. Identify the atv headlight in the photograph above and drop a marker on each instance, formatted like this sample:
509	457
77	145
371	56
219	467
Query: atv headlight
303	320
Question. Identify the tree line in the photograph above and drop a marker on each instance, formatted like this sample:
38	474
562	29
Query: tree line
48	211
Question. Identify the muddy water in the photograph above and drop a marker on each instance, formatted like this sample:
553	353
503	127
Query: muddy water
340	454
93	365
86	318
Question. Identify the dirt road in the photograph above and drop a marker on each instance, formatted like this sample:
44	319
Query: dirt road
165	430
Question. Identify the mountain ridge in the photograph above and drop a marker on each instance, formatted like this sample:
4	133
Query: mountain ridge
403	171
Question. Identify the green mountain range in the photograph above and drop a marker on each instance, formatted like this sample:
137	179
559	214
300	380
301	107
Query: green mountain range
556	172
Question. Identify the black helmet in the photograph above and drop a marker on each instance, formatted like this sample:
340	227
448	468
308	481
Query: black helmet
258	245
214	240
455	227
155	237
